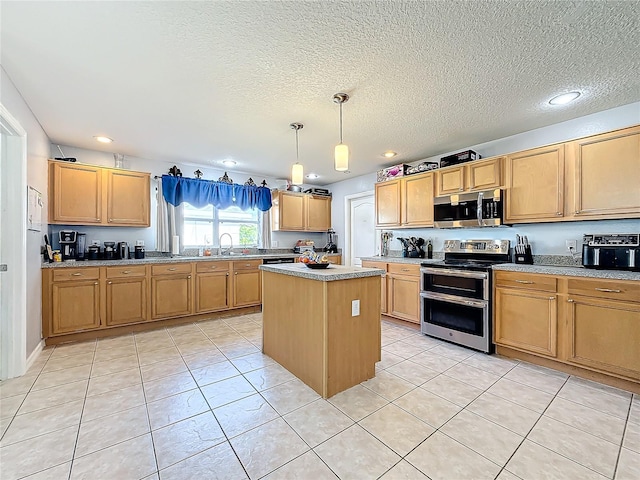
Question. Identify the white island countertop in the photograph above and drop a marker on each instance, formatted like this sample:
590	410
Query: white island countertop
331	273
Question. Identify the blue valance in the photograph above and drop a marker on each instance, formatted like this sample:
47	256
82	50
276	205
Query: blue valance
199	193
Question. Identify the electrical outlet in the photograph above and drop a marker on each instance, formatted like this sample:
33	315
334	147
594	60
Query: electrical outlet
355	308
571	245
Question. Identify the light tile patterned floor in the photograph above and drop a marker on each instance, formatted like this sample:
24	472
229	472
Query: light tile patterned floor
201	401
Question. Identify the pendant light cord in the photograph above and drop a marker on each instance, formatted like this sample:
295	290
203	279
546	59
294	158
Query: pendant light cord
297	151
341	122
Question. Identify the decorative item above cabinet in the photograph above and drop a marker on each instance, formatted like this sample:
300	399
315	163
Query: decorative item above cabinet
81	194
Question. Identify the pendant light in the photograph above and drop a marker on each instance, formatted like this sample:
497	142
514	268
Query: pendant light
297	174
341	154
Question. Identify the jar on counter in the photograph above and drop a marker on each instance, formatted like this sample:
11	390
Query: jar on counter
57	256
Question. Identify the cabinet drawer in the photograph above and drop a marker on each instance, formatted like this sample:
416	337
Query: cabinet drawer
609	289
530	281
404	269
171	269
369	264
246	265
126	271
65	274
209	266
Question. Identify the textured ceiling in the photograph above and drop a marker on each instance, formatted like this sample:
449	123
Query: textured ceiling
198	82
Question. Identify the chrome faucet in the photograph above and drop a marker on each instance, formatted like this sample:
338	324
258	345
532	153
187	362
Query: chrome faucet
228	251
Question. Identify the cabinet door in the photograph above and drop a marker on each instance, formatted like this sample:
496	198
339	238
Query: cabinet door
404	298
127	198
606	174
247	288
383	282
604	335
292	212
335	259
171	296
318	213
417	200
76	306
212	291
76	193
526	320
126	301
535	185
451	180
485	174
388	203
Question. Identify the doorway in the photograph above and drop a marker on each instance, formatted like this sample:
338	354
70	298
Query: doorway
359	227
13	266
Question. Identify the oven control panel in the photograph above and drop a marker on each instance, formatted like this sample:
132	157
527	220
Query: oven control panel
477	246
612	240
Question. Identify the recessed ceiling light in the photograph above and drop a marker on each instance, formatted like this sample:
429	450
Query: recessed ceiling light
228	163
564	98
389	154
313	175
102	139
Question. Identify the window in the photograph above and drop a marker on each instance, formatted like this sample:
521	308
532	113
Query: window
203	226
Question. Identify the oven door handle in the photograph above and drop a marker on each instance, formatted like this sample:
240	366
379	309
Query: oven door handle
455	273
454	299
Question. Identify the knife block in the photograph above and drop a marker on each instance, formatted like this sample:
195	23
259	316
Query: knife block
524	258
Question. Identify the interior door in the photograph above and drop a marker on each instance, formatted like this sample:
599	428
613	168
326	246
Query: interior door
362	232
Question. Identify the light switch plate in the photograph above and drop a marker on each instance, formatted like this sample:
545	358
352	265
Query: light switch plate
355	308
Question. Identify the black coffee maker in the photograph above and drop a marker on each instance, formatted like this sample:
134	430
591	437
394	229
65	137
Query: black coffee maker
331	246
68	244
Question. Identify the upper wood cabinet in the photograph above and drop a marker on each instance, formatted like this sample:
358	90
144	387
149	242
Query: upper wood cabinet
535	185
605	175
91	195
405	202
470	177
293	211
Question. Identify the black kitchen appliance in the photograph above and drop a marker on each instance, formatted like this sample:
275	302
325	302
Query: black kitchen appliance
611	251
138	252
81	246
479	209
332	242
412	247
456	294
68	244
123	250
109	250
93	252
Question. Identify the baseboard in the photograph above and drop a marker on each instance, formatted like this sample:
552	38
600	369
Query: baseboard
34	355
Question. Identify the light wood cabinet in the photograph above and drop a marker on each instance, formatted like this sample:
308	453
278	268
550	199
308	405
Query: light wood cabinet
417	200
525	318
535	185
127	198
473	176
383	283
247	283
171	290
90	195
75	193
387	196
400	289
126	300
212	291
335	259
74	299
293	211
605	175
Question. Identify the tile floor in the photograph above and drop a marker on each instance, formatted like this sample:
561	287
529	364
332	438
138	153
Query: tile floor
201	401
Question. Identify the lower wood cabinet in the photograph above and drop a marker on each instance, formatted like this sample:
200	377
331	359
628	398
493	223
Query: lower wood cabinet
400	289
590	323
75	306
126	300
171	296
247	283
212	292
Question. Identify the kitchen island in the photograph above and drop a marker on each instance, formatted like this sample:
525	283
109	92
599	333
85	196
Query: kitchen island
322	325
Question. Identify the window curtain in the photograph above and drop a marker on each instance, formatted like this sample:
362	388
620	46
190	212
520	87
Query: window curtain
199	193
170	222
265	229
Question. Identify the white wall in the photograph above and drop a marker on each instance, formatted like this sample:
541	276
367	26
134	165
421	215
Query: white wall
155	167
37	154
546	238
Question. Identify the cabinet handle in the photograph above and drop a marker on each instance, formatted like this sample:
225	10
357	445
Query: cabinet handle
570	300
608	290
552	298
188	276
76	274
109	283
247	265
126	272
577	211
212	267
227	274
95	283
111	219
525	281
172	269
559	213
235	273
461	189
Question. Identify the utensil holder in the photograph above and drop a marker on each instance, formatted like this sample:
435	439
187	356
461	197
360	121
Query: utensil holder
525	258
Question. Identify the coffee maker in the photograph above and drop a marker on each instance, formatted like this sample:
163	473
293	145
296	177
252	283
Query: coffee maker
332	245
68	244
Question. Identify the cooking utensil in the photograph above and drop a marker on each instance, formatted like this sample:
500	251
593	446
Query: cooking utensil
48	247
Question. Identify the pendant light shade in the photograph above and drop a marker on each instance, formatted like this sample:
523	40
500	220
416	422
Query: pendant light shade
341	153
297	171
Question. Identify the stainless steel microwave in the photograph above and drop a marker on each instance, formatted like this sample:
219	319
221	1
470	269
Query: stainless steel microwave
478	209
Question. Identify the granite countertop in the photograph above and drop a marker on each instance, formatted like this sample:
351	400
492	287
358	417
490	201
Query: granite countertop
577	271
332	272
174	259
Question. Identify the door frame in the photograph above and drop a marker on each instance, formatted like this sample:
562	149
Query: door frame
13	295
348	247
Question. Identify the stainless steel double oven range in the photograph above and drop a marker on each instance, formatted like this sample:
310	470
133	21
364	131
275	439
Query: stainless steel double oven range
456	294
